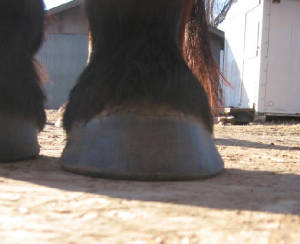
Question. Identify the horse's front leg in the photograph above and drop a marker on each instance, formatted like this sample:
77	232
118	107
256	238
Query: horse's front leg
21	98
137	111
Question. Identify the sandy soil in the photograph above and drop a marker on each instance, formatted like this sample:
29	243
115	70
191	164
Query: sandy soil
256	200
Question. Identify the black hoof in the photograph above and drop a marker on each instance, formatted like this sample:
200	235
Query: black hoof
18	139
141	148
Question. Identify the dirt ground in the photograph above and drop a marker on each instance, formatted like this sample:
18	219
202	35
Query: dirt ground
255	200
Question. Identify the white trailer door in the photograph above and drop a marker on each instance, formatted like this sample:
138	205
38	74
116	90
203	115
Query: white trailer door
282	90
251	60
242	28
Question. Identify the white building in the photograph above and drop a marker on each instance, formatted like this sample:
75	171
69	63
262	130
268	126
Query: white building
261	59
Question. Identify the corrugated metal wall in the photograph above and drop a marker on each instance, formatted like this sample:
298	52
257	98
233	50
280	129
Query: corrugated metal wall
64	56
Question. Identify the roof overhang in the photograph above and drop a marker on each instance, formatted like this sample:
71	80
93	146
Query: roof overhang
64	7
216	32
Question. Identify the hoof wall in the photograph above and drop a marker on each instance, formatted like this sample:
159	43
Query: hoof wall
141	148
18	139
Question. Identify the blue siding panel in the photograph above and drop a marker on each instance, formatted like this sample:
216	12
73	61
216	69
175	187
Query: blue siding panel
64	57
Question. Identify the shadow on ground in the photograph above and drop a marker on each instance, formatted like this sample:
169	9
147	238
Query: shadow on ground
234	189
250	144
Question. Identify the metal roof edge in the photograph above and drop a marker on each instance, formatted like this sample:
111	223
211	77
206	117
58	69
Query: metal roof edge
216	31
64	7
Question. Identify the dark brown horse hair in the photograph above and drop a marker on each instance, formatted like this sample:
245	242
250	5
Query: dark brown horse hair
196	50
21	35
155	50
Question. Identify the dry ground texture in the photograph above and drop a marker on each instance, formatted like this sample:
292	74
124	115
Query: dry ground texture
256	200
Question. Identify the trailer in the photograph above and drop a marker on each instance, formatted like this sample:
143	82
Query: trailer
261	56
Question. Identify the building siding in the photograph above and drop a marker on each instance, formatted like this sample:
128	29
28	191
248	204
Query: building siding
71	21
64	56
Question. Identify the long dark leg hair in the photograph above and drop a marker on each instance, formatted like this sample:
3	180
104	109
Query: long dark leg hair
21	35
142	50
196	49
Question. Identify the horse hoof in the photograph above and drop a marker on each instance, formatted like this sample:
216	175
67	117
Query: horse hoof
132	147
18	139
